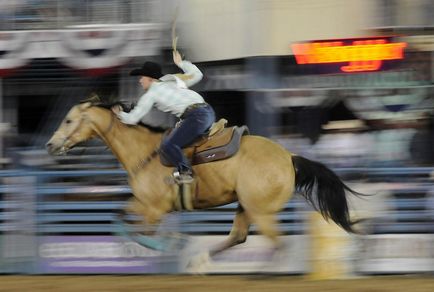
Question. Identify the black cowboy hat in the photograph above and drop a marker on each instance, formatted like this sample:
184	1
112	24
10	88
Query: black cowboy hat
149	69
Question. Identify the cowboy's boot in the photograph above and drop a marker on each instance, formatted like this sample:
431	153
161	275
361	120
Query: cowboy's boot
183	177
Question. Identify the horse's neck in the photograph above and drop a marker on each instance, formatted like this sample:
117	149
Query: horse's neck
129	144
132	146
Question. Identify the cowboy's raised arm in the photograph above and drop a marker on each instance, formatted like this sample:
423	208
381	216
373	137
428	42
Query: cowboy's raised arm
192	74
142	108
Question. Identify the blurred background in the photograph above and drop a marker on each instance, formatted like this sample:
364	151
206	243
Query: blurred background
345	82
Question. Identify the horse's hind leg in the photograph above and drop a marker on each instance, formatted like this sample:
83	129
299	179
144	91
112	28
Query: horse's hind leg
238	234
267	225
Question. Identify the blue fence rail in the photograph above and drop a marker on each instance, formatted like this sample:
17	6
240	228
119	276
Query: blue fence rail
77	215
89	217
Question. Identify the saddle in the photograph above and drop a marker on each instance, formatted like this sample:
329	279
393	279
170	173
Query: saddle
221	142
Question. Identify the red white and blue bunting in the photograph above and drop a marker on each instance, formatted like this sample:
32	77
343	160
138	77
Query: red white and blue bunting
89	49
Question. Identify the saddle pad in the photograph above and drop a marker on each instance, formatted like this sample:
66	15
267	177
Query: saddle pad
222	145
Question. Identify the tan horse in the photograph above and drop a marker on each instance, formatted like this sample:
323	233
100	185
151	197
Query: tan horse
261	176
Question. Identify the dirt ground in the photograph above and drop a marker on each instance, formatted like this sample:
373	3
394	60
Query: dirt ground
211	283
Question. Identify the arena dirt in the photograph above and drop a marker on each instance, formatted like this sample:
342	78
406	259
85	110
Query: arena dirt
211	283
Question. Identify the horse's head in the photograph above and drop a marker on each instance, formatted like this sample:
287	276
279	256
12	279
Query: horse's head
76	127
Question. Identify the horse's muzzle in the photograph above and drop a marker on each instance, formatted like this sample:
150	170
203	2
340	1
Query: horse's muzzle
50	148
53	149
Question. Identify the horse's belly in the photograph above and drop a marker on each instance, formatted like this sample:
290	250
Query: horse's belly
208	199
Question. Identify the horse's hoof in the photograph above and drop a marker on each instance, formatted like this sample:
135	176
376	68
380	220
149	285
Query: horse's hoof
199	264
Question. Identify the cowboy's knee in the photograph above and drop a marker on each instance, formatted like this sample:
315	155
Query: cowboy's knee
170	147
166	146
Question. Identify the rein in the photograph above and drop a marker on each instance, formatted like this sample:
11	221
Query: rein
143	162
110	126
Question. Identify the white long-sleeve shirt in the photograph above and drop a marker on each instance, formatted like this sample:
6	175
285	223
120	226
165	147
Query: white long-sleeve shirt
169	94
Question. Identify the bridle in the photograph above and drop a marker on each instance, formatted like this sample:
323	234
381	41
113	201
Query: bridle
141	164
68	138
83	117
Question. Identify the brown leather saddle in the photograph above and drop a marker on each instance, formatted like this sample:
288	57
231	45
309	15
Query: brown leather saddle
220	143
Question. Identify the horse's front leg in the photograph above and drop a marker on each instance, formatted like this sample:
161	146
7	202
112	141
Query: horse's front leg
142	231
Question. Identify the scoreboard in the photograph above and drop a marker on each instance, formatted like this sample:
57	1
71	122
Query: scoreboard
349	55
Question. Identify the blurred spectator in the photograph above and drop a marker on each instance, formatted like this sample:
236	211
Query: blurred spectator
392	143
421	147
345	144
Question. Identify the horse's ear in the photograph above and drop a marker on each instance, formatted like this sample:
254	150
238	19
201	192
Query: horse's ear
93	99
85	105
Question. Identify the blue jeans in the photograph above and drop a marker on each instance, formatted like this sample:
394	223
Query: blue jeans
194	124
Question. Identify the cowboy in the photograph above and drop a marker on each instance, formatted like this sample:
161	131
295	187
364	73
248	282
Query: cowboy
170	93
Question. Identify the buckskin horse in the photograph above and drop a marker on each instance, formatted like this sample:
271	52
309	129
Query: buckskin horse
261	174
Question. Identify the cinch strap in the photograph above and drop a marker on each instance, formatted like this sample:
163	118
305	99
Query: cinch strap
184	200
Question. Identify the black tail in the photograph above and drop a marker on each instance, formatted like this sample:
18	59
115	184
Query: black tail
330	198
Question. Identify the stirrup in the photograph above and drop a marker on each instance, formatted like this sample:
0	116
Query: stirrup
183	178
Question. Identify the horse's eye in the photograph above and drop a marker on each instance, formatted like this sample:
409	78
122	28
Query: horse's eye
68	121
